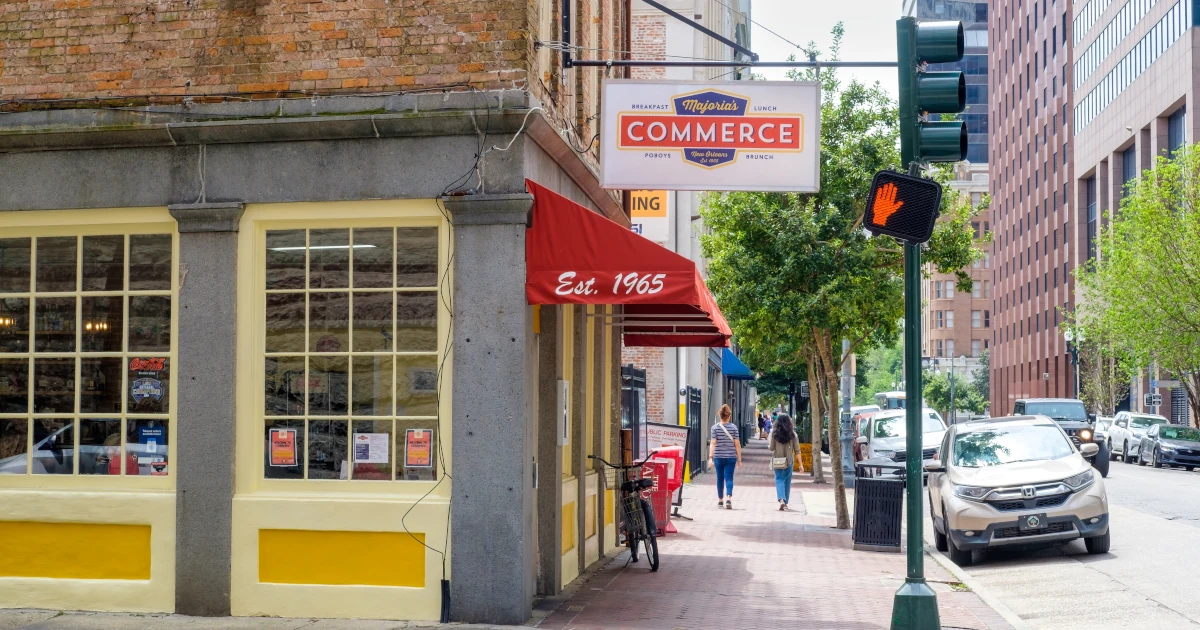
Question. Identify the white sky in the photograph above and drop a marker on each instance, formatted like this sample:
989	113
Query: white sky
870	34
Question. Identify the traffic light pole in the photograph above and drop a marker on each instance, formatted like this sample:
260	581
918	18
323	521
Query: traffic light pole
915	605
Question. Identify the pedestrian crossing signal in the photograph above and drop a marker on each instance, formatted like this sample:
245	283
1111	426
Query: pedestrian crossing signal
903	206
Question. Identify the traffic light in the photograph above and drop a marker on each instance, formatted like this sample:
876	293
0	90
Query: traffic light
924	92
903	206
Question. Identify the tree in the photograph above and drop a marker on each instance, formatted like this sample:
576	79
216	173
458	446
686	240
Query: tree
880	369
1105	368
981	378
937	394
795	274
1138	296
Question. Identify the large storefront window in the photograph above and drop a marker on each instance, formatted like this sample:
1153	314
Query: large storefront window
351	354
85	354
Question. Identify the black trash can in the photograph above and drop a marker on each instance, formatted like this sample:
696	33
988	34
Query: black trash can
878	505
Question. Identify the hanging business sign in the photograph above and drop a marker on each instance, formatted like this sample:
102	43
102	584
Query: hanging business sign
695	135
648	214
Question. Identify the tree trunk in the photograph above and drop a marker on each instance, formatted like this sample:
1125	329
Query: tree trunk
835	423
1191	382
817	401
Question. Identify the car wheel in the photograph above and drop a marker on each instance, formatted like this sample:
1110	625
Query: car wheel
1101	462
961	557
1154	458
940	539
1125	456
1097	544
1189	468
1141	461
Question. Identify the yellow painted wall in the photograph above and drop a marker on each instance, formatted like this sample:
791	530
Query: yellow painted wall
568	527
296	556
132	515
360	521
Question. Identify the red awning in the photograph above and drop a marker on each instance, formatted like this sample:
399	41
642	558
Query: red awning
575	256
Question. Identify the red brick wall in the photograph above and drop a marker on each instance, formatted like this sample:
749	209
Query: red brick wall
651	360
123	48
648	37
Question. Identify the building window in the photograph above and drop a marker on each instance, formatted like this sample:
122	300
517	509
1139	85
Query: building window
351	363
976	345
939	319
950	347
86	354
949	290
949	319
987	319
1176	134
940	348
937	290
1092	217
976	319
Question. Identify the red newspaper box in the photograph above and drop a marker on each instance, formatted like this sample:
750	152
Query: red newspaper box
658	496
675	470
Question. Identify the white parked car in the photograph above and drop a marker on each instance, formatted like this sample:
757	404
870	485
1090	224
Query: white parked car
887	436
1126	432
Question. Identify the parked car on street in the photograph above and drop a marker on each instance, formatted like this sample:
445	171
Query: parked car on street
886	435
1125	434
1072	418
1100	431
1018	480
1167	445
855	412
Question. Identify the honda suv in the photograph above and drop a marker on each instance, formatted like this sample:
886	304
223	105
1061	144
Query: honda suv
1072	416
1014	481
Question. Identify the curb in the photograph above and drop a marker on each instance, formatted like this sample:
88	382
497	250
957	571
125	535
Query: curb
995	604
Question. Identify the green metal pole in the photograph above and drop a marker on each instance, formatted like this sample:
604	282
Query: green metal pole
915	606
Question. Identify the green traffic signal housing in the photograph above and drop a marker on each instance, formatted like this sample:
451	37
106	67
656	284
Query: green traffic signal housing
931	92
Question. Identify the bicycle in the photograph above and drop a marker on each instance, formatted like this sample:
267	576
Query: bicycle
637	517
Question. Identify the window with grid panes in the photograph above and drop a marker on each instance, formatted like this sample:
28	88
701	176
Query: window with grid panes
86	354
351	354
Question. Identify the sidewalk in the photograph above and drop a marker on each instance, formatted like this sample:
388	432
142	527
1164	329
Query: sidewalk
757	567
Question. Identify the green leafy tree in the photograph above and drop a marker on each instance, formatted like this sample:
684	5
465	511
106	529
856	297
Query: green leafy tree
795	274
937	394
981	378
880	369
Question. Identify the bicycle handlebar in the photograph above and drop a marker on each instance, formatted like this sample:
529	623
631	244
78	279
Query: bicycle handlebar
610	465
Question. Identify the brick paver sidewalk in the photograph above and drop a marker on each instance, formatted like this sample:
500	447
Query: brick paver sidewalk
757	567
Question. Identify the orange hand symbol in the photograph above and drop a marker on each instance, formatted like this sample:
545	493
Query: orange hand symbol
886	204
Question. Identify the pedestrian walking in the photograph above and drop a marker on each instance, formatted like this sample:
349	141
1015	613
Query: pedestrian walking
762	426
784	446
725	451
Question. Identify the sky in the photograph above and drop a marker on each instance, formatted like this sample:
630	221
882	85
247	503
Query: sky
870	34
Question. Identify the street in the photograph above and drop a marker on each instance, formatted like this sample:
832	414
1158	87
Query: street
1144	582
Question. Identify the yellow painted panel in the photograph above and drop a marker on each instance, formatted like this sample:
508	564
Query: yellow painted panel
608	507
296	556
589	517
72	550
568	527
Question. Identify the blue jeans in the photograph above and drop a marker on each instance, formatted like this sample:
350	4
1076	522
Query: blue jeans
725	467
783	484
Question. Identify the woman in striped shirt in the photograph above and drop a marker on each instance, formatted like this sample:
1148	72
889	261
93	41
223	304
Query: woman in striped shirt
725	452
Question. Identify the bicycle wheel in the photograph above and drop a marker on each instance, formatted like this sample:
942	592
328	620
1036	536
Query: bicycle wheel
651	536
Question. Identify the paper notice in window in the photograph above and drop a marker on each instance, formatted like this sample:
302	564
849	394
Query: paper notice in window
418	448
371	448
283	447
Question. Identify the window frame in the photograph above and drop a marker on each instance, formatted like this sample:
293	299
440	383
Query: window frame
111	222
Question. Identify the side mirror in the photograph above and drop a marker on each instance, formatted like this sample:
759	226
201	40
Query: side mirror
1089	449
1092	418
934	466
862	439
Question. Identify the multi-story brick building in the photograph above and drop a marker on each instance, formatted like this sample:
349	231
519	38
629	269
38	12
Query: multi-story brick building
1134	65
1033	221
264	290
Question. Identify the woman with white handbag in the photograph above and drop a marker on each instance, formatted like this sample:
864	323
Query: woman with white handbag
725	452
784	446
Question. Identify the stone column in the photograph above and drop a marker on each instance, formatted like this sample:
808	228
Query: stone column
204	405
550	464
492	541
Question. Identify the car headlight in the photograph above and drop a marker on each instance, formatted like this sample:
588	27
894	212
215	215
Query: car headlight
1166	448
971	493
1080	481
1085	435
